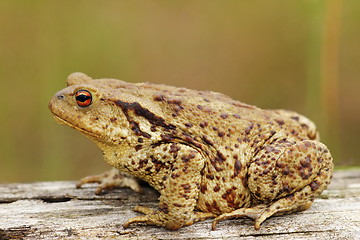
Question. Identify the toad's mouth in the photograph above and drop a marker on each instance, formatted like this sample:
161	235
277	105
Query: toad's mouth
67	123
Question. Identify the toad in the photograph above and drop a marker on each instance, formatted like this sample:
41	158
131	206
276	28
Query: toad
208	156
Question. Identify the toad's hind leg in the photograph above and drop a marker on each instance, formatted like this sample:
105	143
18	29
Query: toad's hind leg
287	181
261	212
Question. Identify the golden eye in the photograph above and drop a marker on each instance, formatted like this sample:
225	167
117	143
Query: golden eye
83	98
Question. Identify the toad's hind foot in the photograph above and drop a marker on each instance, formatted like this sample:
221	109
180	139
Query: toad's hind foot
111	179
253	213
292	203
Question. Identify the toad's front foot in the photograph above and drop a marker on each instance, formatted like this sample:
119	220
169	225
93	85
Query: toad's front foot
159	218
111	179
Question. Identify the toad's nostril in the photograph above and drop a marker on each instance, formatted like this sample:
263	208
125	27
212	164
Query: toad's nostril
60	96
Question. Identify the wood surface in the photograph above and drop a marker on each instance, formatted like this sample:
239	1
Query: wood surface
52	210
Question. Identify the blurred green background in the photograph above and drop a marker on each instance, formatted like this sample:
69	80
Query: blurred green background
300	55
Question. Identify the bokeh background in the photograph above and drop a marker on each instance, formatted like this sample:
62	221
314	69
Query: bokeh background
301	55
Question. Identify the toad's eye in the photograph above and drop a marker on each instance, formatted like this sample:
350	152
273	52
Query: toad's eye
83	98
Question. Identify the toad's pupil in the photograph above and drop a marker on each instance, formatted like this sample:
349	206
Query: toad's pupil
83	97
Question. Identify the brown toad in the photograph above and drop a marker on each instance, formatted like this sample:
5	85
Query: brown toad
207	155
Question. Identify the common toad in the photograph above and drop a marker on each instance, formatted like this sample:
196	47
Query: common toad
207	154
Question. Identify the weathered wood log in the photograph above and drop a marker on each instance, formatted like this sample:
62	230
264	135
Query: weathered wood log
49	210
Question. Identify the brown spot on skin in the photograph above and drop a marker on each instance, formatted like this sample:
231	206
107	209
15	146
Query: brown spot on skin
113	119
211	177
157	163
159	97
216	188
237	167
224	115
185	158
164	208
174	148
244	181
186	187
216	163
189	139
314	185
237	116
188	125
138	147
185	196
280	122
144	112
192	154
208	207
166	137
273	178
203	189
249	128
221	134
305	174
175	175
177	108
215	207
286	171
305	162
230	197
174	101
204	124
294	133
143	162
177	205
287	188
266	171
207	140
221	158
153	128
136	129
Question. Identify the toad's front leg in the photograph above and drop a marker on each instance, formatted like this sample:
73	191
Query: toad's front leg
111	179
179	193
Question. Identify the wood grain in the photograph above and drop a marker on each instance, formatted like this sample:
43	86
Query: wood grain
51	210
